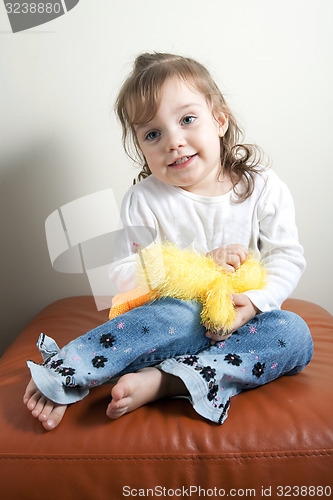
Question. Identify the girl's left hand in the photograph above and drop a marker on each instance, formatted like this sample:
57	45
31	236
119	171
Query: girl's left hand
245	310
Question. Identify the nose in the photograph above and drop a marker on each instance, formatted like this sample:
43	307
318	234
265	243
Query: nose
175	139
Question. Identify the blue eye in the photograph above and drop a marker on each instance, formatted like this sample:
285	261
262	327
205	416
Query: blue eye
187	120
153	134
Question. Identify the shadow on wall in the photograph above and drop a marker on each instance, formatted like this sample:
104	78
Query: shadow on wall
31	188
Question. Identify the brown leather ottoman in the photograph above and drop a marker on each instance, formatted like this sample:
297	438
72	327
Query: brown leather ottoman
277	440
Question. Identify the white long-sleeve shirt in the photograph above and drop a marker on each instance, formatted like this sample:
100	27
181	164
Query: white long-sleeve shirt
264	223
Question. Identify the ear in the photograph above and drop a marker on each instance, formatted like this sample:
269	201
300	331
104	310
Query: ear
223	123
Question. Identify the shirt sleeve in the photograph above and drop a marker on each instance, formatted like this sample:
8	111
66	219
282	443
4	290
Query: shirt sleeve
281	253
137	229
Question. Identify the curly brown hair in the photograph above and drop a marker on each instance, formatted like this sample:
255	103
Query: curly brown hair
138	102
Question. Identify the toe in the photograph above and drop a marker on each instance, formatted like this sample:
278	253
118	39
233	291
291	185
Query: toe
118	392
39	407
117	411
46	411
31	389
31	404
49	424
54	417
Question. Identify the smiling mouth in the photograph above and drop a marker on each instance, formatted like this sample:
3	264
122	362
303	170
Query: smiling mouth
182	160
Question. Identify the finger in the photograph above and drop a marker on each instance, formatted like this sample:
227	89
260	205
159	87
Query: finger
243	255
213	336
239	250
233	260
218	336
236	259
239	299
227	268
235	247
218	254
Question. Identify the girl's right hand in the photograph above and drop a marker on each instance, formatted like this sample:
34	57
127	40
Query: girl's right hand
245	310
229	257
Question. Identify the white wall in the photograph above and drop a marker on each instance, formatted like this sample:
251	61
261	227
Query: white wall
60	140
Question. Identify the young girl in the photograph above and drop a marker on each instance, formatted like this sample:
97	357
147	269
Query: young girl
199	187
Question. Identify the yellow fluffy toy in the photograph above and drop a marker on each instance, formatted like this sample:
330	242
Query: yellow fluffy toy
166	271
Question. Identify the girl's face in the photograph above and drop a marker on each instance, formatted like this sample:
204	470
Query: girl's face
181	143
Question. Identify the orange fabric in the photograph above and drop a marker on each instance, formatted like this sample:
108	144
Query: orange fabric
124	302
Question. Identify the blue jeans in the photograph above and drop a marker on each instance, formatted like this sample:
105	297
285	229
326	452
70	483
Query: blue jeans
142	337
168	333
270	345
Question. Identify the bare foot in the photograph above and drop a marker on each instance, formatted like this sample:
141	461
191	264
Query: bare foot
48	413
137	389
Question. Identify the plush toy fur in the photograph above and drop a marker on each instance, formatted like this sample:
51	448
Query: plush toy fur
166	271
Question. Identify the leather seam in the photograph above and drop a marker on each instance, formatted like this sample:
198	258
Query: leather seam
198	458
